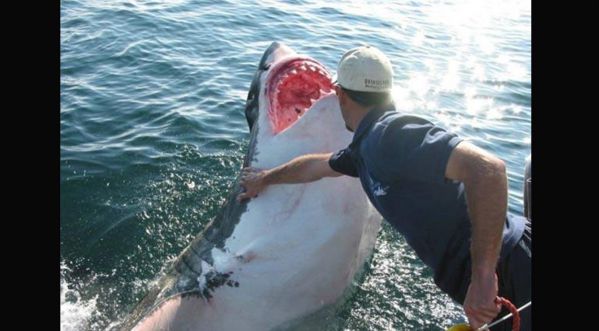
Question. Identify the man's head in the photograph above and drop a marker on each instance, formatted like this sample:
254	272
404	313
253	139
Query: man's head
364	81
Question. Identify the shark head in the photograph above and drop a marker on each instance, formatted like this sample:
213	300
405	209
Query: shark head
285	87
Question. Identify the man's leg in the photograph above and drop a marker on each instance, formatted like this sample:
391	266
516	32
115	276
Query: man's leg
515	281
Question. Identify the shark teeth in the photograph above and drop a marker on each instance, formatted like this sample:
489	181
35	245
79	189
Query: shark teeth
296	87
302	68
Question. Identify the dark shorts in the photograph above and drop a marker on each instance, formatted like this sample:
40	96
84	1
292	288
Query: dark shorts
514	281
514	274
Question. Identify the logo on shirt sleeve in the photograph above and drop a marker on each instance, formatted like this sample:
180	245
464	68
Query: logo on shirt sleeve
379	190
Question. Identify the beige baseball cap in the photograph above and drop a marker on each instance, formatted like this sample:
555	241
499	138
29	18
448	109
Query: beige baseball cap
365	69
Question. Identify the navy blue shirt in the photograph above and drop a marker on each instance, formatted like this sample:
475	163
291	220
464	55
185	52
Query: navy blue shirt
401	162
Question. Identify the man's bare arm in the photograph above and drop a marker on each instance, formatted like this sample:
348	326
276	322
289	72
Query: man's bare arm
302	169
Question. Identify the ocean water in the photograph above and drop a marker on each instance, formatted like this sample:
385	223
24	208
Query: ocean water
153	131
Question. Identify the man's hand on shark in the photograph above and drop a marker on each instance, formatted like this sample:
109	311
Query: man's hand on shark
252	180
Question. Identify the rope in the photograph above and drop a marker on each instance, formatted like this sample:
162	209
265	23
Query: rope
515	313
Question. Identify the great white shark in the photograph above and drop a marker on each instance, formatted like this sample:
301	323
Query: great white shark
294	249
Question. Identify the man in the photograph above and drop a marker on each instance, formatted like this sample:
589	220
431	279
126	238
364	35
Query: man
446	196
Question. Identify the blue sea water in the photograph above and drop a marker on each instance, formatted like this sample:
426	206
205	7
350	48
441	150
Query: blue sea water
153	133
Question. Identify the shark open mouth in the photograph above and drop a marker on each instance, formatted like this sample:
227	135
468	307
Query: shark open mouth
294	85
